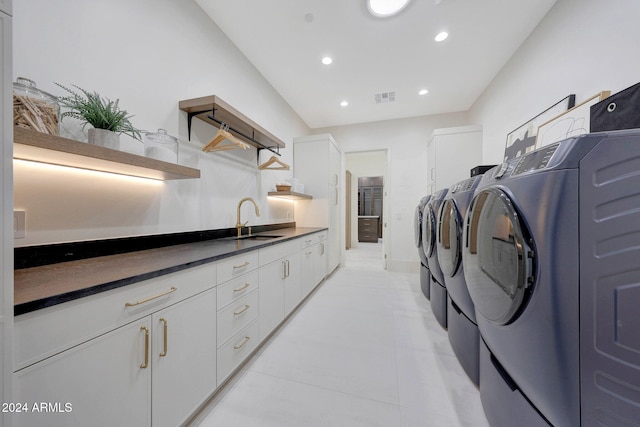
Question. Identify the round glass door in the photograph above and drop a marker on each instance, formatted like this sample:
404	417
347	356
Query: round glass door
449	238
428	230
417	222
498	257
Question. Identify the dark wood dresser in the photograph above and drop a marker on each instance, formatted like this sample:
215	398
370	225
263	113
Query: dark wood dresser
368	228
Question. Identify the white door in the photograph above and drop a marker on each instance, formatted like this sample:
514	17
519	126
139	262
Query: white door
183	358
104	382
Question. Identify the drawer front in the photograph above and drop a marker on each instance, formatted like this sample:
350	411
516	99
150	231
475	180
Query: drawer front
236	266
309	240
235	289
43	333
236	316
236	350
321	236
277	251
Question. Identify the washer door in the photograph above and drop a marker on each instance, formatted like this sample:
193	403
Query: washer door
417	225
498	257
449	238
428	230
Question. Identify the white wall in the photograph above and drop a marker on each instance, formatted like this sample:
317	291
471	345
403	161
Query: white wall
150	54
406	143
581	47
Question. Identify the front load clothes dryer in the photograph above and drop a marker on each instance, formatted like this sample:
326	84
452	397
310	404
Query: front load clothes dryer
438	293
461	317
551	244
425	275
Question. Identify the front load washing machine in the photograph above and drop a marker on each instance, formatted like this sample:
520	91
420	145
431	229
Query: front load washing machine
551	243
425	275
438	293
461	317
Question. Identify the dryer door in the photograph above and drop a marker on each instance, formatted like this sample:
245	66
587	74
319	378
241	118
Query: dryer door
449	238
428	230
498	257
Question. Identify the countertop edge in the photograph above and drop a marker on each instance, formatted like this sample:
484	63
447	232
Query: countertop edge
49	301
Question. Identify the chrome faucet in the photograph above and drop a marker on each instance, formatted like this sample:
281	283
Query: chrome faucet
239	224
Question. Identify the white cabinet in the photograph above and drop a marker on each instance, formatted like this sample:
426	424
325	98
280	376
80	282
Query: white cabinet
313	262
451	154
183	359
6	210
139	356
317	163
102	382
279	285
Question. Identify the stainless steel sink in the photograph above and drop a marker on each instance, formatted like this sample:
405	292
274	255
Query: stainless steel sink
258	237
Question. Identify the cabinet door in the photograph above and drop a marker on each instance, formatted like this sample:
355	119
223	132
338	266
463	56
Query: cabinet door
307	274
183	358
320	262
272	277
292	282
104	382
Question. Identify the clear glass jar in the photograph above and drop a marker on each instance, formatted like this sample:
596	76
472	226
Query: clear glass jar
161	146
34	108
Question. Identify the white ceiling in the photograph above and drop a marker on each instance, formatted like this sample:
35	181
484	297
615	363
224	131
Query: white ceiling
373	55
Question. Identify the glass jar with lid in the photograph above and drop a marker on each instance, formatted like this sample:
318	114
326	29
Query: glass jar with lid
35	109
161	146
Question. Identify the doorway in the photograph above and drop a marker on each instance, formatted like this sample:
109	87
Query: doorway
366	203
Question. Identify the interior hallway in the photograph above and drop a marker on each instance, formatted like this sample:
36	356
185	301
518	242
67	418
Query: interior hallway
365	350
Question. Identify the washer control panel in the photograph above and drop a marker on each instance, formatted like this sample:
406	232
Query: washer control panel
538	159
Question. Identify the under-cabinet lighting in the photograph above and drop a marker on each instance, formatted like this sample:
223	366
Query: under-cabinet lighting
88	172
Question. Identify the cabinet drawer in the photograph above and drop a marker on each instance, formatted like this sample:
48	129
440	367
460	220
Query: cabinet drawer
45	332
236	266
236	350
312	239
277	251
237	288
236	316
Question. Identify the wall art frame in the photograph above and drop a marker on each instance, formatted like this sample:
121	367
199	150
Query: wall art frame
522	139
572	122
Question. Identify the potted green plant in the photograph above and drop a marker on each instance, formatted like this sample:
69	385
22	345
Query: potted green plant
106	117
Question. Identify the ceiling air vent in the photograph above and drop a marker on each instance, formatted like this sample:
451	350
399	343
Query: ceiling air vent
385	97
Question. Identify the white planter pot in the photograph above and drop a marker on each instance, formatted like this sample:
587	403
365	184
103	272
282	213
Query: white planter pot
104	138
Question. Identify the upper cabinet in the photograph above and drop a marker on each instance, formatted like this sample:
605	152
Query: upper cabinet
216	112
40	147
451	154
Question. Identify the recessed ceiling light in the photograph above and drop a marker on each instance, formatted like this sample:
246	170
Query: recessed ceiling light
327	60
344	103
441	36
386	8
423	92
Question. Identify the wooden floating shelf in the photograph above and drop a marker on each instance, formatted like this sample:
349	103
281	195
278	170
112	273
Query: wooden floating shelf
44	148
214	111
289	195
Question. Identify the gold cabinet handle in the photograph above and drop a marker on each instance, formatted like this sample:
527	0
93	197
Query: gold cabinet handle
245	308
146	347
242	344
243	265
242	288
133	304
164	349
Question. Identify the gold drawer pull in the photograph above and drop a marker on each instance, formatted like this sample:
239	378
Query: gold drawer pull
242	288
133	304
242	344
164	350
245	308
243	265
146	347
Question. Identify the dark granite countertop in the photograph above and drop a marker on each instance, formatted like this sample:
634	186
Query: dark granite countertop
47	285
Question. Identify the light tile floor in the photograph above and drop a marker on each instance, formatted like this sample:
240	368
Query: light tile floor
364	350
